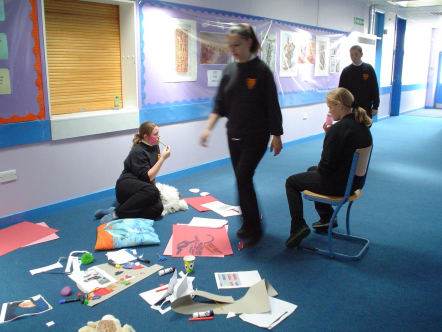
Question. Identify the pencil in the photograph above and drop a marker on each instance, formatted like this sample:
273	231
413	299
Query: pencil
218	305
161	289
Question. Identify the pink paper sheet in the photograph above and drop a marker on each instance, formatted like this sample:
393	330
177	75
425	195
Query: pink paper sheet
46	238
16	236
200	241
196	202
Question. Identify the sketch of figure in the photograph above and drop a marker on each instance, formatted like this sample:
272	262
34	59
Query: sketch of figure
289	49
269	49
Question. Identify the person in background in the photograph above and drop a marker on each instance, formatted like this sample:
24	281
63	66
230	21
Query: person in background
135	189
360	79
247	96
330	177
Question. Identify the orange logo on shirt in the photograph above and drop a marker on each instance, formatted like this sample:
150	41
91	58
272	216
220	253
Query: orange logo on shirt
250	83
159	156
365	76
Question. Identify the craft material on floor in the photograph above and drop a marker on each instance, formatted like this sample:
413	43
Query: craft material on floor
280	310
200	241
44	239
128	278
255	301
196	202
239	279
17	309
19	235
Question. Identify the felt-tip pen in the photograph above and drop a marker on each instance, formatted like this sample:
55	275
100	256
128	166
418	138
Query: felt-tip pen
70	300
202	318
114	264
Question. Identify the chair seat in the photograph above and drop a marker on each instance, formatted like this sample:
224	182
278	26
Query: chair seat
352	198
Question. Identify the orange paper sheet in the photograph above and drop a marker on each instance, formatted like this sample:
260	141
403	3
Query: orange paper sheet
19	235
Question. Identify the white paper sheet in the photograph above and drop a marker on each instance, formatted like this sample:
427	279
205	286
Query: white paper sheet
121	256
207	222
92	278
280	310
223	209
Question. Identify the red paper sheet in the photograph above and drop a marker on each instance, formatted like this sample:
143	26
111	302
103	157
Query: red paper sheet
19	235
197	201
200	241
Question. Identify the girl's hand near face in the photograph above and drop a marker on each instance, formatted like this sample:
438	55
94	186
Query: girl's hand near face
166	153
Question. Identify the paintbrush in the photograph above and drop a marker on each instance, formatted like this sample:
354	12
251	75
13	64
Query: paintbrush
162	143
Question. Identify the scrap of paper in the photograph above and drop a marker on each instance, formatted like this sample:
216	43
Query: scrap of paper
207	222
204	193
46	268
241	279
280	310
194	190
121	256
230	315
223	209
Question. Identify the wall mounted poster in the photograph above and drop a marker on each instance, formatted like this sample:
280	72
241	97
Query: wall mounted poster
322	56
175	47
288	50
2	10
268	46
213	48
3	47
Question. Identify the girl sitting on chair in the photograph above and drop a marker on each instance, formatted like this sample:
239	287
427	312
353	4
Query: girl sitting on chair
342	139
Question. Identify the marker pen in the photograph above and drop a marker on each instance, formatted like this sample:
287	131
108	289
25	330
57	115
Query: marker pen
70	300
114	264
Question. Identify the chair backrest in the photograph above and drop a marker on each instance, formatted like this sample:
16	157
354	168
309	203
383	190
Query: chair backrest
363	160
359	166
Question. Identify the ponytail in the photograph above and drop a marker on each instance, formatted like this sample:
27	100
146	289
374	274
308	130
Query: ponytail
136	140
361	116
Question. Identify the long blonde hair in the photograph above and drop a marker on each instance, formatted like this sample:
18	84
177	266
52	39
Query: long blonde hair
145	128
346	98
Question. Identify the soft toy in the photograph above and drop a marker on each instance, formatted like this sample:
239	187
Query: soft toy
171	199
107	324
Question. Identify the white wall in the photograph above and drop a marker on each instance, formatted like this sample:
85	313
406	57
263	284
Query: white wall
56	171
412	100
387	49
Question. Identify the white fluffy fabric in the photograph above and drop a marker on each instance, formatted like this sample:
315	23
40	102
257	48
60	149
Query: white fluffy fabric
171	199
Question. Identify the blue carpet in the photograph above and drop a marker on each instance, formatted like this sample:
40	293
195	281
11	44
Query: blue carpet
395	287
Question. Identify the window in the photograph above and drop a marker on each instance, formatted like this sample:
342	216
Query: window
91	58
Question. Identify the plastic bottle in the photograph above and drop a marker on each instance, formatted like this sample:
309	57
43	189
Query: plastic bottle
116	103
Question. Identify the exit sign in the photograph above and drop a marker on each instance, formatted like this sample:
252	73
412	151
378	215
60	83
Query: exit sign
358	21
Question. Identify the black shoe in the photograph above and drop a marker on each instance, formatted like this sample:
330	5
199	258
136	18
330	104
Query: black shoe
322	225
253	239
295	239
242	233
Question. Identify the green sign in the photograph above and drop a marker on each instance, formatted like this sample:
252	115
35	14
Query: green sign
358	21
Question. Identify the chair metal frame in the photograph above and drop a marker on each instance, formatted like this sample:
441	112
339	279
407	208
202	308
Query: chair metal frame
359	167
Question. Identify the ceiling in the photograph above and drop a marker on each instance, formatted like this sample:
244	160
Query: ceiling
428	15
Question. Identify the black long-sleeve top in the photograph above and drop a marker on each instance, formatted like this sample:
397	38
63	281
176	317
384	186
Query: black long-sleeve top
139	161
247	96
361	81
340	143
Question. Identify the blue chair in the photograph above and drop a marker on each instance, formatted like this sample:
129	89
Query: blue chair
359	167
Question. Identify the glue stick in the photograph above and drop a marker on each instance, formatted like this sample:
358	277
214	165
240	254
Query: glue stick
166	271
200	314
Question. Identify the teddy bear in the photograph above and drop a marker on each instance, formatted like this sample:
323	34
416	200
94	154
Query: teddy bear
171	199
107	324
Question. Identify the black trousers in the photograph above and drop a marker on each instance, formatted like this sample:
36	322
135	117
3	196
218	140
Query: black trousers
137	199
310	180
246	153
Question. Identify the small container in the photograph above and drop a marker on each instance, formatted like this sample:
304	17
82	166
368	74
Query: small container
201	314
166	271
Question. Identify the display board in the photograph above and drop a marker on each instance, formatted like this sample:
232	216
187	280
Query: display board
184	50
